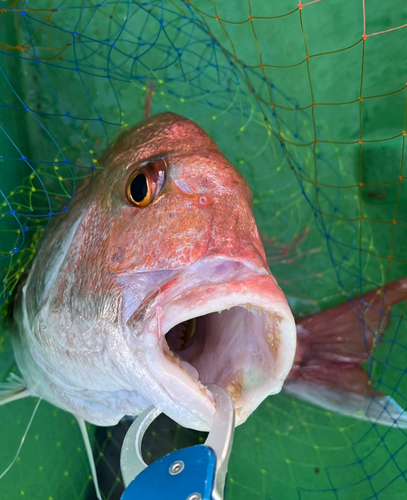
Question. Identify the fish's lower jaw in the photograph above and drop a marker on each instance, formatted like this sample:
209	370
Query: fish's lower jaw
243	339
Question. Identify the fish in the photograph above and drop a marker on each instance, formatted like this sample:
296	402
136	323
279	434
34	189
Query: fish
155	283
152	285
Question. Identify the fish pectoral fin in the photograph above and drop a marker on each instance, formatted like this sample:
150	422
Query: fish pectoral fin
12	390
378	408
88	447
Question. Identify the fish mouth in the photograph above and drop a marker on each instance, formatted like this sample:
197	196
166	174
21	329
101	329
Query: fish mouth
238	334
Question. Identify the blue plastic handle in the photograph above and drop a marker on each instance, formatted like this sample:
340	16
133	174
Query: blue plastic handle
157	483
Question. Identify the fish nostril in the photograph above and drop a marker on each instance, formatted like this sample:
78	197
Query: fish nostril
184	186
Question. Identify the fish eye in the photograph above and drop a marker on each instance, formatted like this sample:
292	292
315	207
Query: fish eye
139	191
145	183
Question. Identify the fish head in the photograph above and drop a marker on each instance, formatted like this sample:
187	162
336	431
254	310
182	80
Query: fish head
199	303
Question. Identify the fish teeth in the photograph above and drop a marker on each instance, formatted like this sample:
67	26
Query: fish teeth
187	372
249	307
261	310
192	372
273	333
235	385
183	365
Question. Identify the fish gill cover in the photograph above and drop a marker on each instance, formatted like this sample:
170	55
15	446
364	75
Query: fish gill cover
308	101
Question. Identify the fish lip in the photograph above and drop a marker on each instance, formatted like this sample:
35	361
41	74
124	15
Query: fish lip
188	402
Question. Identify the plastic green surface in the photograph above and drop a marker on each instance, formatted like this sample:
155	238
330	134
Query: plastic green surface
313	116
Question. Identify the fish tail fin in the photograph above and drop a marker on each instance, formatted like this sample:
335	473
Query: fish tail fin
332	345
13	389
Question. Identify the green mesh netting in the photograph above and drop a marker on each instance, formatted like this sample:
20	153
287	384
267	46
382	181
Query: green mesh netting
309	102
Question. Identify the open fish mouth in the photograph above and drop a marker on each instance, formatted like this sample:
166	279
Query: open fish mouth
238	334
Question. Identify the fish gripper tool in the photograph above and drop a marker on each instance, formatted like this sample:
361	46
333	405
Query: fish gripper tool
194	473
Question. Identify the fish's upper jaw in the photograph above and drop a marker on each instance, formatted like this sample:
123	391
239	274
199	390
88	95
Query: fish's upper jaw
239	334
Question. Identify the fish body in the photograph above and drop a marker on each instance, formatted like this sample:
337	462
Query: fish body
153	284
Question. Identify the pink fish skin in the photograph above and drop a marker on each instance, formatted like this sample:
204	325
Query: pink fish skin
153	284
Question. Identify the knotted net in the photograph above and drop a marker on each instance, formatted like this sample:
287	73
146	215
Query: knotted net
308	101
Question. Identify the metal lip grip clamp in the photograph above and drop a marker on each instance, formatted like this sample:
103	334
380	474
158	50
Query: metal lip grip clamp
194	473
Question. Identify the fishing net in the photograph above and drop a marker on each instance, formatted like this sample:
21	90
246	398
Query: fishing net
308	101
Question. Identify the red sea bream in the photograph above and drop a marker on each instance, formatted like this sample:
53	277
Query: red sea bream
155	283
